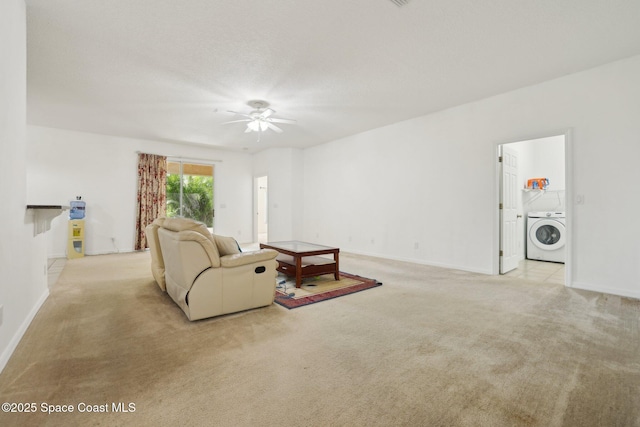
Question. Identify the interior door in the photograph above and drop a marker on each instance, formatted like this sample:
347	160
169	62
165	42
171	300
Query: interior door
509	256
261	203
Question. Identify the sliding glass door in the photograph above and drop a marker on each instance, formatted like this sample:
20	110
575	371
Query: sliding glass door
190	191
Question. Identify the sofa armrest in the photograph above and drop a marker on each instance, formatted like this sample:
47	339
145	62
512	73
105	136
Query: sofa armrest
245	258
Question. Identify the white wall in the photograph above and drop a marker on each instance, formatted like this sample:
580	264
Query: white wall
425	190
23	281
103	170
283	166
550	159
542	158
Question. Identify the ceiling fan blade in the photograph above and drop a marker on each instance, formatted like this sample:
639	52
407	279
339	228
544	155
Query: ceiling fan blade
248	130
274	127
237	121
278	120
240	114
266	113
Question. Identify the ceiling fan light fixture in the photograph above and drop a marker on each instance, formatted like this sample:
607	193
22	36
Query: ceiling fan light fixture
260	119
254	125
257	125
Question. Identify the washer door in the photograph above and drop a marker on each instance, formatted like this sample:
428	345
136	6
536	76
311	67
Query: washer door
547	234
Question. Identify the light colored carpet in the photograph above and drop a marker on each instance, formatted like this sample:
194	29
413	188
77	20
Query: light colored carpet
432	347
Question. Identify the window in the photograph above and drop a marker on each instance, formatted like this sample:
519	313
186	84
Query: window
190	191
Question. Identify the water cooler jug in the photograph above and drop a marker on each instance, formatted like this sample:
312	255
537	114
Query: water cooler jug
77	208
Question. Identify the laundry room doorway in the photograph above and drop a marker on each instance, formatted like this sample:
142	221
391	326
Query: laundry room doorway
532	187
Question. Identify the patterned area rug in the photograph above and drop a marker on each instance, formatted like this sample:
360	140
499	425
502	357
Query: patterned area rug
320	288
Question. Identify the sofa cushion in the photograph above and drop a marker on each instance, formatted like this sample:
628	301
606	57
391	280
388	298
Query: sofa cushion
245	258
183	224
226	245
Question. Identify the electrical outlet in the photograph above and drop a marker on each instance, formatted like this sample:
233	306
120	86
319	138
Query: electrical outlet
416	245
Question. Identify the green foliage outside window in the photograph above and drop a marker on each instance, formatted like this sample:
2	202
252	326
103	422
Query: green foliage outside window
197	197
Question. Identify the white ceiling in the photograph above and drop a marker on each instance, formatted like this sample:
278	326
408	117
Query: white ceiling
170	69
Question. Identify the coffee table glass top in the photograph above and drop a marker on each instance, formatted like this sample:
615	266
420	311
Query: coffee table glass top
296	246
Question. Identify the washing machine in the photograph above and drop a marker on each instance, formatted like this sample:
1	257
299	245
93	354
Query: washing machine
546	236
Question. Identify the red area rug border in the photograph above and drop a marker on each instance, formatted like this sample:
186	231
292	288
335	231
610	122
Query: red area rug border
290	303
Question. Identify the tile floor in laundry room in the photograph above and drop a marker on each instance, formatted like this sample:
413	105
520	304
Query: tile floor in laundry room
552	272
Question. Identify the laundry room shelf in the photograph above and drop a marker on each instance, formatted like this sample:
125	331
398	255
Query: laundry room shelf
536	193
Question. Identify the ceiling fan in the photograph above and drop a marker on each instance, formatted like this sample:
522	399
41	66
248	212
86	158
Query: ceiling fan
260	119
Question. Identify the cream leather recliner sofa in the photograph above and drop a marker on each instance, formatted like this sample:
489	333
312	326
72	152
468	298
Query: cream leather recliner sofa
207	275
157	263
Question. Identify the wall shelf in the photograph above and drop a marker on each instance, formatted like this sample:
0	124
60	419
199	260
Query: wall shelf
43	215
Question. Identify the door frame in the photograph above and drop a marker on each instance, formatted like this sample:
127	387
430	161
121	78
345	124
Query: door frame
569	196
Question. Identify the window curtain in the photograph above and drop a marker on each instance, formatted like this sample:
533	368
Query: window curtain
152	194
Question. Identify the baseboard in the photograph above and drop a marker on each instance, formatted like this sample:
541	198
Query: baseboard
605	290
106	252
110	252
8	352
421	262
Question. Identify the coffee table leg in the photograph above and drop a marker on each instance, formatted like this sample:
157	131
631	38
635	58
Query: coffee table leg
337	273
298	271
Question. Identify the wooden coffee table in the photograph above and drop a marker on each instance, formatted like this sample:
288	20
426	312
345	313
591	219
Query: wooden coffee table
302	259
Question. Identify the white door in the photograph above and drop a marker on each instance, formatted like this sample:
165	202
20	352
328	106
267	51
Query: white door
262	220
509	256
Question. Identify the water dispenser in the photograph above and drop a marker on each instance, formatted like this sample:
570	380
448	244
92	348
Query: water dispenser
75	245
